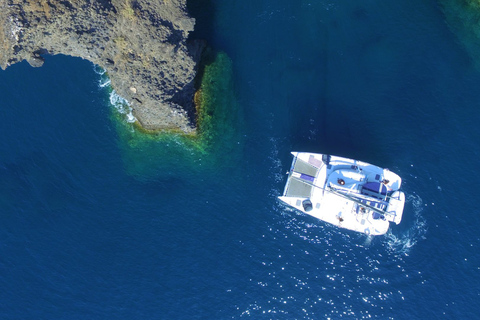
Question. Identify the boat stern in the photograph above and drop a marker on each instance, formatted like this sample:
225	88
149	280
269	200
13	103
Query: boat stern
395	207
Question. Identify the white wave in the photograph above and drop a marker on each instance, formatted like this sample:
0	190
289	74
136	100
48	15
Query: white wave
122	106
118	102
104	80
104	83
98	70
131	118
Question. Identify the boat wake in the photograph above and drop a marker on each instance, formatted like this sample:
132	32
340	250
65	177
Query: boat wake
317	254
276	165
402	243
398	243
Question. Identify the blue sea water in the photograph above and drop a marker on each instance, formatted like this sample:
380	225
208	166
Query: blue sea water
86	234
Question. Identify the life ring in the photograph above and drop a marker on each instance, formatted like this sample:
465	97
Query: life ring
367	231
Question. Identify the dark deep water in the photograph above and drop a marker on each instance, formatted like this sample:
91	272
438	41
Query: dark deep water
81	237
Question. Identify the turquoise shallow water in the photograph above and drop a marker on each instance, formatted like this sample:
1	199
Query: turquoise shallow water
89	230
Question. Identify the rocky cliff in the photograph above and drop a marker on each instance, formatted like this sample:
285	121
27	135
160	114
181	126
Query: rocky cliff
140	43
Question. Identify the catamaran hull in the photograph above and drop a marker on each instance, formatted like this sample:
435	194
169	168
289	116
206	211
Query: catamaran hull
347	193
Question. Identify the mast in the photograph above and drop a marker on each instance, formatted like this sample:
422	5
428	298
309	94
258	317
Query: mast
348	197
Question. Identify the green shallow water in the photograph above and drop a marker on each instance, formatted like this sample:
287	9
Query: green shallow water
463	17
217	144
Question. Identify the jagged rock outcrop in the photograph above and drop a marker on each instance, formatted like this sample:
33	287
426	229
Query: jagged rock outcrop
142	44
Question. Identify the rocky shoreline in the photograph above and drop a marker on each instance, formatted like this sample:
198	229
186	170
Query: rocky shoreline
142	45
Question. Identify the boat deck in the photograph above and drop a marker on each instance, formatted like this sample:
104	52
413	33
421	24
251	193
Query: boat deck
347	193
298	188
302	175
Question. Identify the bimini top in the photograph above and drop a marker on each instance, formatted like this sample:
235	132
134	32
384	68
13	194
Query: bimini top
375	189
348	193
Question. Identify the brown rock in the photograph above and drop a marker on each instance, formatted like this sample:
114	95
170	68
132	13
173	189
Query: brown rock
140	43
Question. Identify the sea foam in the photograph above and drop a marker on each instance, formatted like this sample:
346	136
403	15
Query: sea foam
118	102
122	106
402	243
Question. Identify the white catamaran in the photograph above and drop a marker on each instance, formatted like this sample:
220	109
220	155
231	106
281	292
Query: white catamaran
350	194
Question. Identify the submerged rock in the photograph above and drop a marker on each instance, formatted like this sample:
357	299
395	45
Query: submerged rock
142	44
